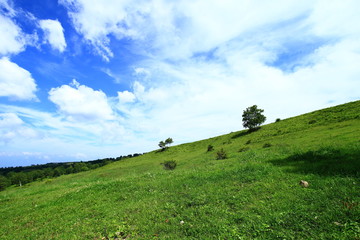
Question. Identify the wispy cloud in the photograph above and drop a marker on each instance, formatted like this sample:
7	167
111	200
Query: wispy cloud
12	127
53	135
114	76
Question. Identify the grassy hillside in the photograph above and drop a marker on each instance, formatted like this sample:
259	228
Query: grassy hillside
253	194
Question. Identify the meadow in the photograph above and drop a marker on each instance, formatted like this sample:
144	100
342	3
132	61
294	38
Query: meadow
252	194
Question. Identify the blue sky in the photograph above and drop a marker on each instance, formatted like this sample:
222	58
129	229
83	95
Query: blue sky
87	79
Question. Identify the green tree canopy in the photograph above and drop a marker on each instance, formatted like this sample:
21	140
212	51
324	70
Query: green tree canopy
253	117
169	141
162	144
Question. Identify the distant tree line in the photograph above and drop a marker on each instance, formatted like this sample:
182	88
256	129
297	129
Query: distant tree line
21	175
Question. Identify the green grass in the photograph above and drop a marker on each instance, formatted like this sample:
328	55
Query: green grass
253	194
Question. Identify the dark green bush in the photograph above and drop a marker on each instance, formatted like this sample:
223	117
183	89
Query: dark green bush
312	121
221	154
267	145
248	142
169	165
278	120
210	148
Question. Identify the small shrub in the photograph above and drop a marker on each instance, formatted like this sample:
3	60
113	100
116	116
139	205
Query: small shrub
221	154
278	120
267	145
248	142
244	149
210	148
169	165
312	121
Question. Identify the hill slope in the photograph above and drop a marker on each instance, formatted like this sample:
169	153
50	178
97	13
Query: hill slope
253	194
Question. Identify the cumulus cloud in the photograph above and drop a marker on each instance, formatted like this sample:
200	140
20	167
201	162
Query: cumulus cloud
54	34
126	97
16	82
79	102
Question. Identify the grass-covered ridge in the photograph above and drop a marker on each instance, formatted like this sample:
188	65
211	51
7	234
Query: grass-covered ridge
252	194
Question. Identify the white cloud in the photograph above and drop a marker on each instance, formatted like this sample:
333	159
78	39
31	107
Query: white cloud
9	120
126	97
62	139
176	29
12	127
81	102
344	15
16	82
54	34
63	131
11	37
95	20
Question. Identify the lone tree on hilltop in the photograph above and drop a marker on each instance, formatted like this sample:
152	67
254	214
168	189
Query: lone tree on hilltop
169	141
162	144
253	117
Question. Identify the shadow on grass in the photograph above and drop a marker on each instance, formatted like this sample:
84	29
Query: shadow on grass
161	150
325	161
245	132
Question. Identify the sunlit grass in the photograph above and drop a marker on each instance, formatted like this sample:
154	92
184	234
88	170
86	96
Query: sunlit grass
252	194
